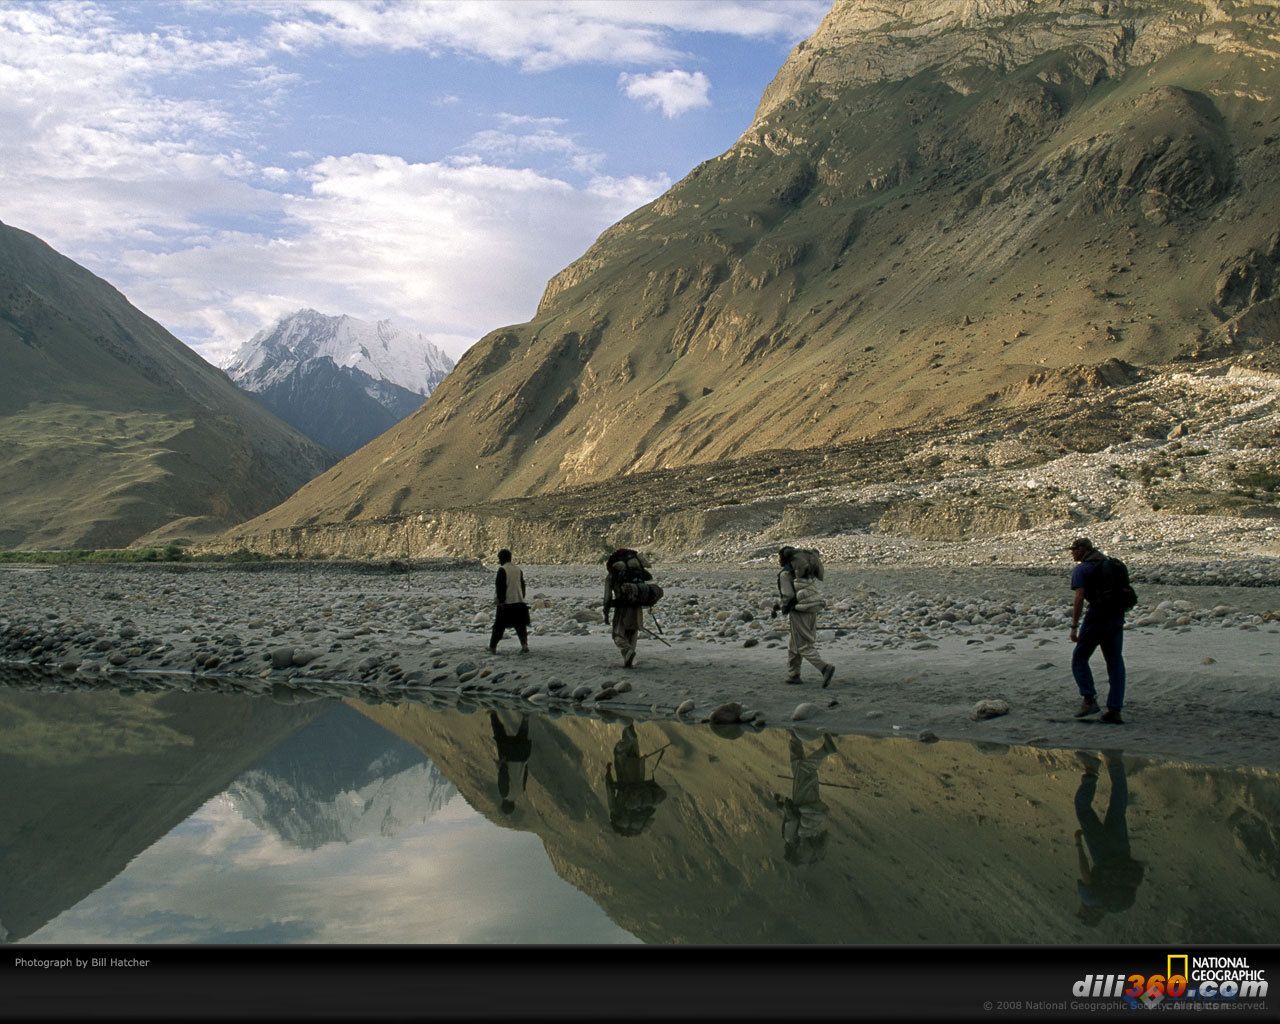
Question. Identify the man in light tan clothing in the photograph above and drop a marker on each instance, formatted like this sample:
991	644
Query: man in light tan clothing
798	589
628	620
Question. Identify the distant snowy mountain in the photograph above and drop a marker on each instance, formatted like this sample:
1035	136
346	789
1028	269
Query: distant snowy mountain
339	380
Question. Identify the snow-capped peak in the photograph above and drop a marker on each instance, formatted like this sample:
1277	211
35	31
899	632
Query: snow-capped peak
383	350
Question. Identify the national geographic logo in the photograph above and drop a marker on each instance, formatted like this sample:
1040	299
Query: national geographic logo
1186	978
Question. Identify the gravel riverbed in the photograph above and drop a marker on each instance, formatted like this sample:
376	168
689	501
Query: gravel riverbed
916	649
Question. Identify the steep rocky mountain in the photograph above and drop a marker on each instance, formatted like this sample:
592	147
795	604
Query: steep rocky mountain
939	208
339	380
340	779
111	429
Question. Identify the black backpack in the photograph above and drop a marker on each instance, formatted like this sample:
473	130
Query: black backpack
631	581
1116	591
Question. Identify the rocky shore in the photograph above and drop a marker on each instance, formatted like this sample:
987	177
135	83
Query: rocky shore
922	653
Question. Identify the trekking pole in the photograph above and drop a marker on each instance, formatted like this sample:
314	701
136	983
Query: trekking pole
838	785
645	629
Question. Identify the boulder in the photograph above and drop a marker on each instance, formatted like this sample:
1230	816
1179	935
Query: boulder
726	714
985	709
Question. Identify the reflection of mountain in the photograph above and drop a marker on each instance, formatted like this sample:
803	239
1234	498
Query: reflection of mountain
340	779
90	780
927	843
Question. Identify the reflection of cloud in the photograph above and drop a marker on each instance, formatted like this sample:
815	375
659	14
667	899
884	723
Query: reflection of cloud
457	878
675	92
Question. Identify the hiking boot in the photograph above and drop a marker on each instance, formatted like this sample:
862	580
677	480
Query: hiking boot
1112	715
792	680
493	648
628	658
524	650
827	673
1088	706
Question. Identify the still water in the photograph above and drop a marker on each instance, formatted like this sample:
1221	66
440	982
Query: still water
201	817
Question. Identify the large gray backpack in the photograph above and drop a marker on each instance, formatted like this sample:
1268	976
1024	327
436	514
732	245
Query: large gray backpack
630	581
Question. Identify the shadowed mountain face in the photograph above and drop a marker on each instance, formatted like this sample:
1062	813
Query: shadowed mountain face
333	405
112	430
765	838
936	203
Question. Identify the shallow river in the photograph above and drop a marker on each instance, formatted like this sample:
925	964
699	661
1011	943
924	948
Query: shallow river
171	816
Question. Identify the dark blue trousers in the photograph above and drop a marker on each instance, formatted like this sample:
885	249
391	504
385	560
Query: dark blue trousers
1105	631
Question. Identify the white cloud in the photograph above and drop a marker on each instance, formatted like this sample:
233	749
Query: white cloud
538	34
83	129
675	92
522	136
458	247
140	153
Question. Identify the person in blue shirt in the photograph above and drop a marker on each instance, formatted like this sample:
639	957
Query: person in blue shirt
1103	628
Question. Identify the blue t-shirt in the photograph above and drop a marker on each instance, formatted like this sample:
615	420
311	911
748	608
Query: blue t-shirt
1092	576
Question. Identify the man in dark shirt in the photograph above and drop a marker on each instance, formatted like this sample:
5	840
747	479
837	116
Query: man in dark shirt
511	608
1103	627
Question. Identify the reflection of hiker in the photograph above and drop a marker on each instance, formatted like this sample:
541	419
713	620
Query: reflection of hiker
798	591
512	611
512	751
628	590
1096	579
804	815
1112	882
632	797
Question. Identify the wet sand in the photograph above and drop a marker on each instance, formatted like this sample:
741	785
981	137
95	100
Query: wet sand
916	649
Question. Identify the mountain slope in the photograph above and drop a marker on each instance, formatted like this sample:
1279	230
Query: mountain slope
935	203
110	428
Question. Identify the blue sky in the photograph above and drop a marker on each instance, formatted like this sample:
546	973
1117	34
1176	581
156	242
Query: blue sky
226	163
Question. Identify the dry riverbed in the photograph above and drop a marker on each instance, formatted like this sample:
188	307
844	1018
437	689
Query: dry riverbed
916	650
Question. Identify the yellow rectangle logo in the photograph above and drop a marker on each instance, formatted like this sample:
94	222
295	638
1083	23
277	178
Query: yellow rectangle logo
1178	958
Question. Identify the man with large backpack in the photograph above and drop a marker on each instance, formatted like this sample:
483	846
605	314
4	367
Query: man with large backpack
1102	583
628	590
799	598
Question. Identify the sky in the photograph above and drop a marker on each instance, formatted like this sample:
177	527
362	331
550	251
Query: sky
434	162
